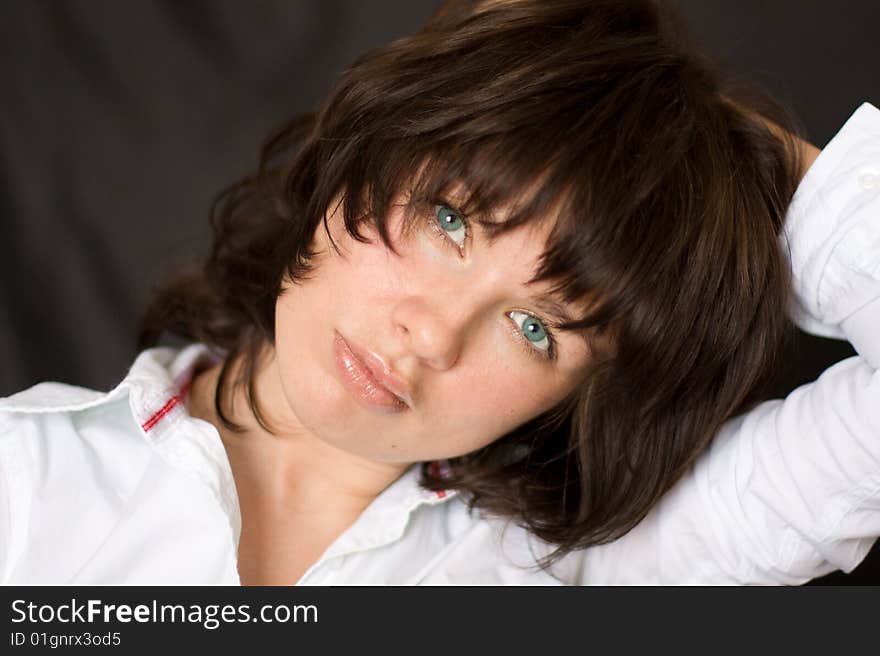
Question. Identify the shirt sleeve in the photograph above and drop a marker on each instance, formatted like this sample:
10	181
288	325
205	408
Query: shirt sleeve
833	239
790	490
14	495
5	510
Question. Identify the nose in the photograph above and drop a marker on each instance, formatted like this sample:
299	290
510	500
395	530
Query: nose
427	333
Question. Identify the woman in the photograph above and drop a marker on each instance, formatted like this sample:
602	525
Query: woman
474	321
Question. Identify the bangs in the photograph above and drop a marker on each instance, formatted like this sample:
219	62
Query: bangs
499	186
584	127
663	197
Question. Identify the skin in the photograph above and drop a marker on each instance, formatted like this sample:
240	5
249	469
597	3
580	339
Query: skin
439	318
438	315
809	153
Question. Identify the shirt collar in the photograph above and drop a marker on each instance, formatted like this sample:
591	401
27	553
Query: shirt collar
386	518
155	379
159	380
157	383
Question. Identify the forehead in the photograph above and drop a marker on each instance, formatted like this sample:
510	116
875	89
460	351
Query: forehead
522	246
519	252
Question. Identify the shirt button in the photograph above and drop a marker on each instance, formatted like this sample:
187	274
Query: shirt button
869	180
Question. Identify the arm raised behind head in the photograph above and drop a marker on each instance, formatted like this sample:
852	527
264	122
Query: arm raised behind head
791	489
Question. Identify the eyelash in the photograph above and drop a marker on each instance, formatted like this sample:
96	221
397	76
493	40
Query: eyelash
550	353
440	232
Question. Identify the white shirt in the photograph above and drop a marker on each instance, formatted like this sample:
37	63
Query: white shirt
126	488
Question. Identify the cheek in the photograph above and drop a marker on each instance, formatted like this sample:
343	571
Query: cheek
346	292
521	398
358	276
490	402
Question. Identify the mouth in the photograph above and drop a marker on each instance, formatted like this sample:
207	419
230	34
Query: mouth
368	380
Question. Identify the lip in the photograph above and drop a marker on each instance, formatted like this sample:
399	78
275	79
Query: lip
366	376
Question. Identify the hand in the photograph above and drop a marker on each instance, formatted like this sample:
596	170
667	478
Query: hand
809	153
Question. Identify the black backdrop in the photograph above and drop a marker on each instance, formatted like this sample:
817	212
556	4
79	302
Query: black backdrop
119	120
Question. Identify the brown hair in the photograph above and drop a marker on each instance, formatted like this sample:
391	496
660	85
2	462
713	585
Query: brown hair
671	195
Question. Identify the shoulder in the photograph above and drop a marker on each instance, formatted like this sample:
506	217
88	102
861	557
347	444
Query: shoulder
48	396
46	425
76	463
156	377
65	452
55	436
61	442
53	427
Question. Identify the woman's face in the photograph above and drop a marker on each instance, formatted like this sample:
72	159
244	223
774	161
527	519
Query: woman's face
429	353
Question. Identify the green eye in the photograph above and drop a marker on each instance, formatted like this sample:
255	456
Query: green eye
452	224
532	329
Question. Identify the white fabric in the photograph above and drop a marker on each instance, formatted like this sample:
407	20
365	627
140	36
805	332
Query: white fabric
125	487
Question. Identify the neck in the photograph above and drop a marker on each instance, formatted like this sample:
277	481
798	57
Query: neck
290	465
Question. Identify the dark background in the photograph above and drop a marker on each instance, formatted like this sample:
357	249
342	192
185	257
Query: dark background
120	120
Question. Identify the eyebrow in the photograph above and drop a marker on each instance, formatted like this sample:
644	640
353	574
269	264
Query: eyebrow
486	219
553	308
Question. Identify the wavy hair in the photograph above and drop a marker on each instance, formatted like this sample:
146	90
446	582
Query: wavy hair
670	187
